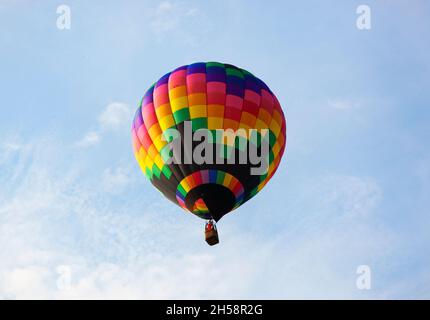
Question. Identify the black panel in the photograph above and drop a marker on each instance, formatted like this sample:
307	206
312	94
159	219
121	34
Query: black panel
217	198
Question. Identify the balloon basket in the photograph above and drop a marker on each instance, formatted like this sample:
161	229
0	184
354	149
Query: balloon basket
211	237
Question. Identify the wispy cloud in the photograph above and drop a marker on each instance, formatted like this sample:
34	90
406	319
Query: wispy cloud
114	180
115	116
176	20
164	18
90	139
144	249
344	104
351	195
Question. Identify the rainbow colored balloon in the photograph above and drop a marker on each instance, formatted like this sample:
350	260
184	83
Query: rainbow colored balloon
216	97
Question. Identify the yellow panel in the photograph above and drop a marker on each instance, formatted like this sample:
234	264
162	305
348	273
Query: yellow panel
259	124
142	153
275	127
159	161
166	122
276	149
177	92
198	111
163	110
154	131
179	103
149	163
227	179
159	143
215	123
141	157
152	151
141	162
185	186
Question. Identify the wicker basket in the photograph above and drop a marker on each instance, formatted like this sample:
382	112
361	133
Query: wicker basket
211	237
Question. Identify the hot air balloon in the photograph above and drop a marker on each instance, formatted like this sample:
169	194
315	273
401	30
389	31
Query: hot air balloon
215	97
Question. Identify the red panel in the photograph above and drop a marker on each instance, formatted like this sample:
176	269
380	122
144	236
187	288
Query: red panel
177	79
196	83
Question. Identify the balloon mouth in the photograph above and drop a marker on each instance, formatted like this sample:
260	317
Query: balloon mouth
199	193
209	194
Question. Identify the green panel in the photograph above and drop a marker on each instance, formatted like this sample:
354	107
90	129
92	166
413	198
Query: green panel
181	115
271	156
214	64
157	172
220	177
234	72
245	72
182	190
253	192
166	171
148	173
199	123
272	138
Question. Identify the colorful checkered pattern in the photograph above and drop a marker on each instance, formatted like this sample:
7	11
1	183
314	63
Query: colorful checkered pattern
205	177
211	95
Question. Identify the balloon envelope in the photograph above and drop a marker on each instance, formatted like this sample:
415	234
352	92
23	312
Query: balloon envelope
211	96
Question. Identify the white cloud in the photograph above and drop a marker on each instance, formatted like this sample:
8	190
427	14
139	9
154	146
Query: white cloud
115	116
141	248
90	139
192	12
11	146
165	17
114	180
178	21
24	282
8	148
343	104
351	195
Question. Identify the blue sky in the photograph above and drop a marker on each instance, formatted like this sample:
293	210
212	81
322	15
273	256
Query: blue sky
351	189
